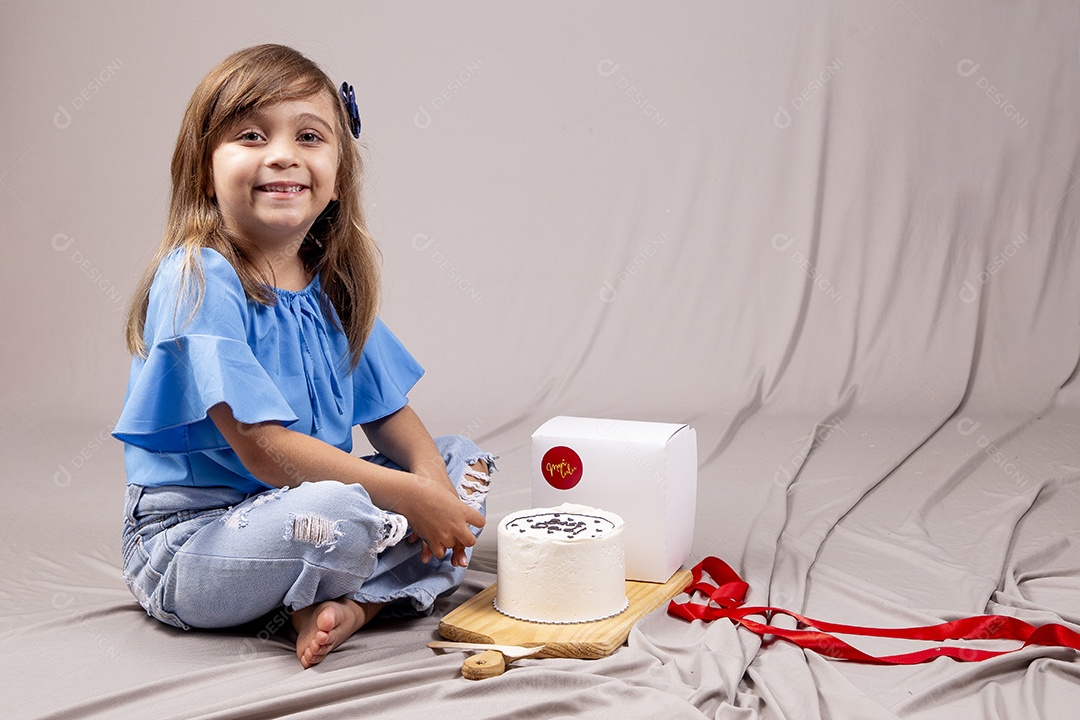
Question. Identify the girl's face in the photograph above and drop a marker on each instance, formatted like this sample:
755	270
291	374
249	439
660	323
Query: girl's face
275	171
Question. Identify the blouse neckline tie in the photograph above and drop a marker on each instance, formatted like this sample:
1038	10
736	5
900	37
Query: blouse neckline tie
304	307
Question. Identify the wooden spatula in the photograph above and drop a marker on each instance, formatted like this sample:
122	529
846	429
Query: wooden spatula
489	663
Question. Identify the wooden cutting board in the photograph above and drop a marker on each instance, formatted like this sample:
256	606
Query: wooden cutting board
477	620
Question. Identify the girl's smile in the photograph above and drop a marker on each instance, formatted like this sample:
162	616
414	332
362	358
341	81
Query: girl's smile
281	189
275	171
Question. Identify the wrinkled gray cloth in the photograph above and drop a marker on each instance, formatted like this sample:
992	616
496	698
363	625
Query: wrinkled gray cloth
839	239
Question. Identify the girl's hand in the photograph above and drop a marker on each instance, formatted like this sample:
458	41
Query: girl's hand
434	469
439	518
457	558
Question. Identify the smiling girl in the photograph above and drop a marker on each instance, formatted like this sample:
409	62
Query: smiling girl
256	349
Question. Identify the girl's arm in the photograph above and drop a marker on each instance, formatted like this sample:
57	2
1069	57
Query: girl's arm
402	437
282	457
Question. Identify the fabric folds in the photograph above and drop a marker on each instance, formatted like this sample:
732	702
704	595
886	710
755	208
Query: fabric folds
184	377
383	377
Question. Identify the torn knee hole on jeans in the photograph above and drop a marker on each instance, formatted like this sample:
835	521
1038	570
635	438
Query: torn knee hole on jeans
475	483
314	529
394	528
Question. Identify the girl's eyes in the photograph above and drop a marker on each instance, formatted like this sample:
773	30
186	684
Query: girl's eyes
307	137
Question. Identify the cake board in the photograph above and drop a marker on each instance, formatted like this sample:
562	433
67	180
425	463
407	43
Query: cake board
476	620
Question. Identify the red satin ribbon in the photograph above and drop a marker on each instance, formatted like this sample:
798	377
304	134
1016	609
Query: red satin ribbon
727	591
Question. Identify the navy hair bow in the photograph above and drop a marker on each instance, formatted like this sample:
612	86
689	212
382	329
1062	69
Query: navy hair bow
349	98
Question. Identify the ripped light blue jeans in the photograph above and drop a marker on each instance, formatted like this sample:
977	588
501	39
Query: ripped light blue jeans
215	557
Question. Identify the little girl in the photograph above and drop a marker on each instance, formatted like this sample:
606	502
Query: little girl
256	349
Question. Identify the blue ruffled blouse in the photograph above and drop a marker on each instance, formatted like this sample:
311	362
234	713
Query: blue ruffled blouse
286	362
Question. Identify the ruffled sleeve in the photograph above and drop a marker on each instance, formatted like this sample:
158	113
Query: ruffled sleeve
194	362
383	377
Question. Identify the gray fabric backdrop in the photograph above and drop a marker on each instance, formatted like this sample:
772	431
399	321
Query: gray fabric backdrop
839	238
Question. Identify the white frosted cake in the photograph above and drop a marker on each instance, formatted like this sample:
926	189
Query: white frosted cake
562	564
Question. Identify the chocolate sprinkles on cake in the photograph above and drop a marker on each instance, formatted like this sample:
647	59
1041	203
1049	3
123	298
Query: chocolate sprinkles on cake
568	525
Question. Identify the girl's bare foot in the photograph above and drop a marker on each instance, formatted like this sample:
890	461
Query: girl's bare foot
322	627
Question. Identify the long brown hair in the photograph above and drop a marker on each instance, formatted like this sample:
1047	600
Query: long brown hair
338	248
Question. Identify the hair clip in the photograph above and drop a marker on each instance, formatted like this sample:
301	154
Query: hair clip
349	98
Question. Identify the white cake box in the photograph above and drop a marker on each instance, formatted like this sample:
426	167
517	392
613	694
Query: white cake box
645	472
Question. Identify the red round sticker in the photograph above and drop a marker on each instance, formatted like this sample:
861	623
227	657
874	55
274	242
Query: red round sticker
561	467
